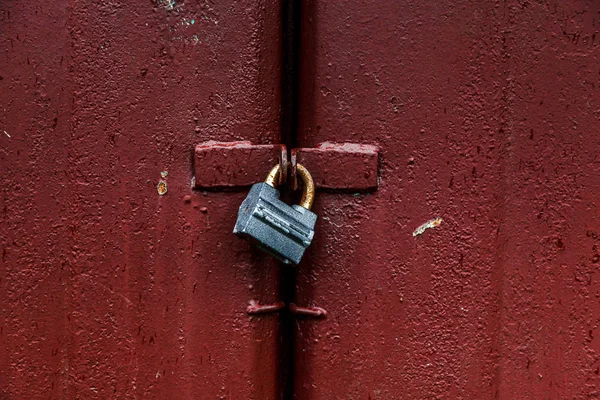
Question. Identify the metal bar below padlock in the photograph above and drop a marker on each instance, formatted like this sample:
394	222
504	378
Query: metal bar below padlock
316	312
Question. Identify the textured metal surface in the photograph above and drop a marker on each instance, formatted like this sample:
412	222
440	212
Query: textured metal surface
282	230
108	290
236	164
346	166
486	114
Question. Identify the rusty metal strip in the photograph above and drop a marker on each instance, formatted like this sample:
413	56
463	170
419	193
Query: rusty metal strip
315	312
256	308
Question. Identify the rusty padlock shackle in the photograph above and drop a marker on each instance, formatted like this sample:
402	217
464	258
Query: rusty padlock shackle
308	192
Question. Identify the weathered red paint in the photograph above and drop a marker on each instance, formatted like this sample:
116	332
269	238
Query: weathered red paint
108	290
236	164
486	114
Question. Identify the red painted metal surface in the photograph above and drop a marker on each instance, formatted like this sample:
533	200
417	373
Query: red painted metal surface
236	164
108	290
486	114
345	166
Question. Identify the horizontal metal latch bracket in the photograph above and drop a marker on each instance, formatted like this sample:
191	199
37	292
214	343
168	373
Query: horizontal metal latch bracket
236	164
341	166
254	308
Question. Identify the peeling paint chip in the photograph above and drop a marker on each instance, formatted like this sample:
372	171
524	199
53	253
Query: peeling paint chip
434	223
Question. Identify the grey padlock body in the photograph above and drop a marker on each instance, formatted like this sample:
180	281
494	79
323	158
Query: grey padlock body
281	230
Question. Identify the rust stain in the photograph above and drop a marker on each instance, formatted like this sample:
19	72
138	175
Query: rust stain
161	188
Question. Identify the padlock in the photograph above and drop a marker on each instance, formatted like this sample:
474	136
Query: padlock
280	229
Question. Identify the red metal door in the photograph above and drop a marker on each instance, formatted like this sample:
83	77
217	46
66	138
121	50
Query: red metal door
107	289
486	115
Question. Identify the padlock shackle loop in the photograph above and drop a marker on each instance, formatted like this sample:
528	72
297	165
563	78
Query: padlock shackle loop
273	176
308	190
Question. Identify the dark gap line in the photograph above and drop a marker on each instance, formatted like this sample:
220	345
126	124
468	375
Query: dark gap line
290	21
290	72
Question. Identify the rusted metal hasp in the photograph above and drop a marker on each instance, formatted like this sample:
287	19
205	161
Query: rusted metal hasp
254	308
347	166
236	164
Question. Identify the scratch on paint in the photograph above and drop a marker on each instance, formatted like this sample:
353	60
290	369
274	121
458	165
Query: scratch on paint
109	289
434	223
6	133
168	4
